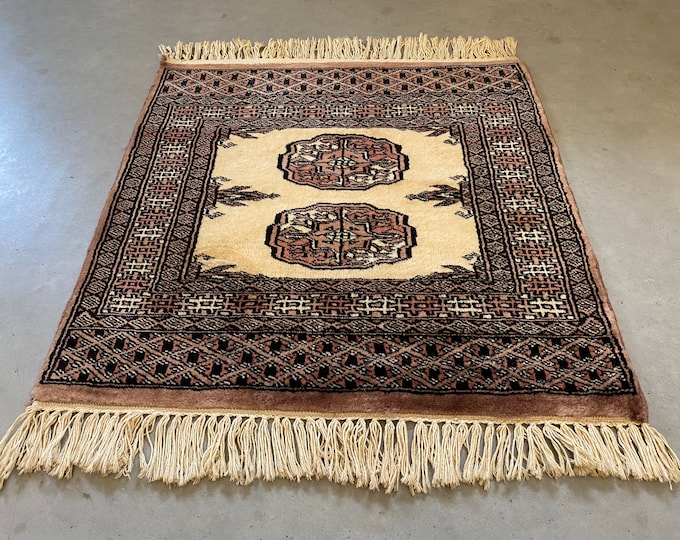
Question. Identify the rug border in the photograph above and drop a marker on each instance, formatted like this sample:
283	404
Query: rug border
592	258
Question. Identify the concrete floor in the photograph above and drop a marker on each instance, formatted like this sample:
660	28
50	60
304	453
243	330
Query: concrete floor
73	76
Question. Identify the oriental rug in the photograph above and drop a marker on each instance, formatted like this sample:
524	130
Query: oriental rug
347	259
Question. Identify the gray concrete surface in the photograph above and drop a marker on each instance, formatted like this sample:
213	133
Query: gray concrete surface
73	76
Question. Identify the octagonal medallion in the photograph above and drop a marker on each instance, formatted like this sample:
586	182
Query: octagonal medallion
333	161
333	236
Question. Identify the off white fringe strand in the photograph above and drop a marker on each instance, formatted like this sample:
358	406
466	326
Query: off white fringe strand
400	48
183	447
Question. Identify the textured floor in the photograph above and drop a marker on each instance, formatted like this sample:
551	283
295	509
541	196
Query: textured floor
73	76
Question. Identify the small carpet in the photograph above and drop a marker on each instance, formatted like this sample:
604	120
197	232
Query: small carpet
347	259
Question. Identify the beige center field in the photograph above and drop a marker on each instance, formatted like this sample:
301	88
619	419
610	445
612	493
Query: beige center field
235	235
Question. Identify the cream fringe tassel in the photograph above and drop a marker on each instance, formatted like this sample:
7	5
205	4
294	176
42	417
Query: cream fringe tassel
400	48
183	447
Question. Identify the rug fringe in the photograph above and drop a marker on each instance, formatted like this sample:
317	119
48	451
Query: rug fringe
185	447
421	47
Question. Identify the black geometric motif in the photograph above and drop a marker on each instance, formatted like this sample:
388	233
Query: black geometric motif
237	195
445	195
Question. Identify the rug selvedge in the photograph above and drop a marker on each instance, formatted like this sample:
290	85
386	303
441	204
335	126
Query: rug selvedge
365	348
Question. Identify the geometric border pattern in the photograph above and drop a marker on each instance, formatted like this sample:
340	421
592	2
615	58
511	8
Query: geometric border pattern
528	319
